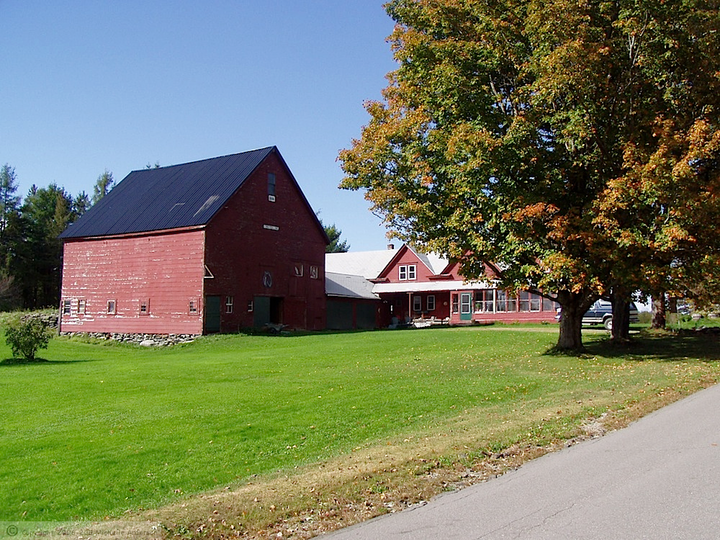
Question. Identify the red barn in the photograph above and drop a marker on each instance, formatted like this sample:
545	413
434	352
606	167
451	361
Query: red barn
209	246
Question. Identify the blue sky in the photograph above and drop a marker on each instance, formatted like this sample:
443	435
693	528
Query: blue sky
92	85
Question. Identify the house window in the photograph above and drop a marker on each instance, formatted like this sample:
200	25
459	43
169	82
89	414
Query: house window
406	272
193	306
228	304
549	305
314	272
271	187
144	307
484	301
67	307
298	269
417	303
455	304
111	307
81	306
505	302
529	301
431	302
500	301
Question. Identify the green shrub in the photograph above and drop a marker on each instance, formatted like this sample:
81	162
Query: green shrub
26	335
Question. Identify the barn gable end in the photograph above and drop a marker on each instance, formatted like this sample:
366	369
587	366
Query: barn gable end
196	248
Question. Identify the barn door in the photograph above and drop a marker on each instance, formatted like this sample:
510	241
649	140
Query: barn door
261	311
267	309
212	314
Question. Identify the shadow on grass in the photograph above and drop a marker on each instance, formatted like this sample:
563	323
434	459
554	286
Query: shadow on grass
37	362
661	347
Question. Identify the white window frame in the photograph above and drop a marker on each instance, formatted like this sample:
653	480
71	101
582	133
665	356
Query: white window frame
229	303
485	301
407	272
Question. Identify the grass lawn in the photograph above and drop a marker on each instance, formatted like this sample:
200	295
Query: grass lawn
102	429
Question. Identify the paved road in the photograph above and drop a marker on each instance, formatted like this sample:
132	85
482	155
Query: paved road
657	479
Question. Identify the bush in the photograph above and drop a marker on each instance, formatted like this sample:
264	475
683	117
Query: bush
26	335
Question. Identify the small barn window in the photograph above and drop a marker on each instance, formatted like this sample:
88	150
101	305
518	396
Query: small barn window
111	307
193	306
298	269
229	301
82	303
144	307
67	307
314	272
271	187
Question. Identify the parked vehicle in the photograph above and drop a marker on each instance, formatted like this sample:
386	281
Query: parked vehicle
601	313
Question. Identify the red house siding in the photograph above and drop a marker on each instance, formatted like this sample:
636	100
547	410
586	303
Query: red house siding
451	299
267	253
164	272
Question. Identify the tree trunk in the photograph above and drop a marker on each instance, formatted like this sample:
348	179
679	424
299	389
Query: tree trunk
659	319
574	306
621	318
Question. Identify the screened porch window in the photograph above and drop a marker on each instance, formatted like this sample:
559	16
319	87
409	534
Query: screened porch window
485	301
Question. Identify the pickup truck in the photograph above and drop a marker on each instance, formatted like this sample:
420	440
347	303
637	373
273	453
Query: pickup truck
601	313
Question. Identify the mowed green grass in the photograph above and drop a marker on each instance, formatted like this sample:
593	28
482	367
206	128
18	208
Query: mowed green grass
100	429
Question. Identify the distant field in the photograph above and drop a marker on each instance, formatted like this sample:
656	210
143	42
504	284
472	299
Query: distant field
101	429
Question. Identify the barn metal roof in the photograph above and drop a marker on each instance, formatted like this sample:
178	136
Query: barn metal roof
348	286
171	197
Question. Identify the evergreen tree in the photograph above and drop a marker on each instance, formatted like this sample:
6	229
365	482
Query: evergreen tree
46	212
103	185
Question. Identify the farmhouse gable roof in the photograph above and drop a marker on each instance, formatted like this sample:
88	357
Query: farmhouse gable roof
434	262
368	264
172	197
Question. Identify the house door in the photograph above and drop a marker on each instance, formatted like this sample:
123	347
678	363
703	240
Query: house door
212	314
465	306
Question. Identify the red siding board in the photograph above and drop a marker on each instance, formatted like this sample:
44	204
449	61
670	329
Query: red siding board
165	270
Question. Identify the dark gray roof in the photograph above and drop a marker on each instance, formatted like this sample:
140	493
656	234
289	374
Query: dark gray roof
172	197
348	286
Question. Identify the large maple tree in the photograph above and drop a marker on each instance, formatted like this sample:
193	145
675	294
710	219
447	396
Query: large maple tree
532	133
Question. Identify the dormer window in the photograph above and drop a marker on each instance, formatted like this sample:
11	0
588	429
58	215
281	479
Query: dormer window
407	272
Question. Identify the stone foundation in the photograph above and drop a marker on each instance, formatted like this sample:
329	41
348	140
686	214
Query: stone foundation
144	340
